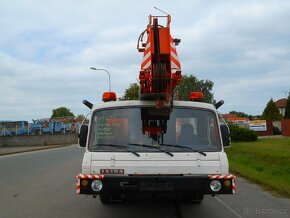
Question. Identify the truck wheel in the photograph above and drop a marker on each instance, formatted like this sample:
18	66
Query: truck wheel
105	199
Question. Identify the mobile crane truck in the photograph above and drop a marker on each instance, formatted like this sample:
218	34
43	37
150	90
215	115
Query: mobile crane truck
155	146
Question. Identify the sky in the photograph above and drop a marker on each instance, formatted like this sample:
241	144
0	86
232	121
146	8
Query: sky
48	47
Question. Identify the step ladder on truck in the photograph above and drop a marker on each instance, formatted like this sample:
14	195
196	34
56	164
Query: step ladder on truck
155	146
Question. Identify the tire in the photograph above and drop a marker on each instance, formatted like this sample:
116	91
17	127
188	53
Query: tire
105	199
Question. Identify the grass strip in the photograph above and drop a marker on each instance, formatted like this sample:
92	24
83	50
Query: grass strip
266	162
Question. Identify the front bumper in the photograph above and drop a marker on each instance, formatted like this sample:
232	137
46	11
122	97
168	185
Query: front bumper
148	185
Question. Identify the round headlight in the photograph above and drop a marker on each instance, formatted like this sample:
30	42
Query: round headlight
97	185
215	185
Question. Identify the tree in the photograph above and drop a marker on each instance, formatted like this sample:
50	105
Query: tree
61	112
239	114
80	117
131	93
287	110
192	84
271	112
242	114
188	84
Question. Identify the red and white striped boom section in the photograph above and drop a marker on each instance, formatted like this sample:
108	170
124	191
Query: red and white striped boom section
160	67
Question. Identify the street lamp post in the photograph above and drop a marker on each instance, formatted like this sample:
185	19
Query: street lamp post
93	68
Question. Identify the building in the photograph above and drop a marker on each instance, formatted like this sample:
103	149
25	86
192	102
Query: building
233	118
227	117
281	104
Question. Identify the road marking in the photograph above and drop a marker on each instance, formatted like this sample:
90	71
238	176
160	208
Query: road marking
223	203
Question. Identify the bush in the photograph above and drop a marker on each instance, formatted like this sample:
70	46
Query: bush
239	134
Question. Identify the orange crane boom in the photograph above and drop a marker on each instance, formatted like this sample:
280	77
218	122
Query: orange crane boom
160	68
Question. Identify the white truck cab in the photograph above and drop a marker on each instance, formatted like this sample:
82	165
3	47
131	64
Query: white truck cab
134	150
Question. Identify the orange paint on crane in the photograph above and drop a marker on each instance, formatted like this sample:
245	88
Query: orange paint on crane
160	67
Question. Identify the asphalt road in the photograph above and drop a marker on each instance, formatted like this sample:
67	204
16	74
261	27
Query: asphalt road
42	184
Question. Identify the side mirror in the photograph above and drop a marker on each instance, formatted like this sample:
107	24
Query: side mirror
225	135
88	104
83	135
220	103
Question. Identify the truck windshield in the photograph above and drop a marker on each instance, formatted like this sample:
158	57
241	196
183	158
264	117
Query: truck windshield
147	129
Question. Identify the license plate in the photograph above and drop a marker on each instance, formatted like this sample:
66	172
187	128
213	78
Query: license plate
156	186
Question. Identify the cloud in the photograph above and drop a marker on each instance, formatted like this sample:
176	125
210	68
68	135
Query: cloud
46	50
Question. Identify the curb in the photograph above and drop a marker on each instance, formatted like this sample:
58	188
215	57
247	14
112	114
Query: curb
35	149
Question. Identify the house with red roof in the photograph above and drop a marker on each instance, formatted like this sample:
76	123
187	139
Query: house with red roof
281	104
233	118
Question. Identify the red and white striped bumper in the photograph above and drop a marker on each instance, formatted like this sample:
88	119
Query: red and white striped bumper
86	176
175	183
223	177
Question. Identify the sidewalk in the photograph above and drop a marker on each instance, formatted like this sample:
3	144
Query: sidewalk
15	150
272	137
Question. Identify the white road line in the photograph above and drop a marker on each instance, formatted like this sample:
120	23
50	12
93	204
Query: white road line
223	203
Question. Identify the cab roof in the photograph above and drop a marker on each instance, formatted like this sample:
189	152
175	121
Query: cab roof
112	104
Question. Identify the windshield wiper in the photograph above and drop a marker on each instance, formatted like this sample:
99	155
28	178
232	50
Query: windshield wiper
119	146
181	146
152	146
